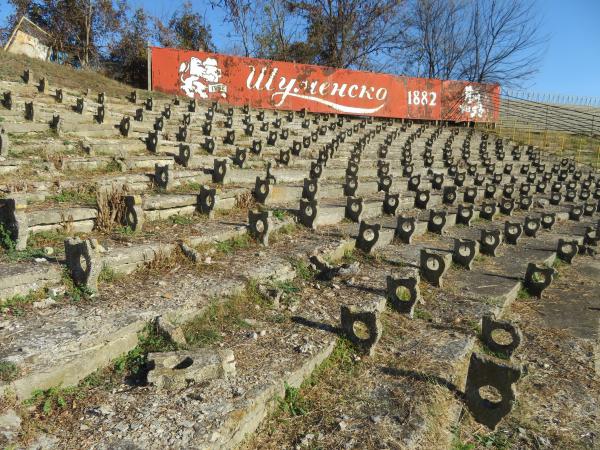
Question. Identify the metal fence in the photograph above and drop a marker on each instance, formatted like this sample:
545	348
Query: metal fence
555	99
571	129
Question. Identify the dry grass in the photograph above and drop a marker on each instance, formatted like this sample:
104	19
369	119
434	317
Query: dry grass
111	208
78	80
558	397
584	149
164	261
245	201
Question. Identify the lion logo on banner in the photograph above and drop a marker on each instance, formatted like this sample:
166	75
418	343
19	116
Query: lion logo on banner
472	103
201	78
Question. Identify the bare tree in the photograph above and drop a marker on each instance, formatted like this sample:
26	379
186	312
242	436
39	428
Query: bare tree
280	33
338	33
351	33
436	38
242	16
505	41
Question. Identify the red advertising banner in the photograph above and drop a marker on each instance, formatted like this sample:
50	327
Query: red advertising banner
289	86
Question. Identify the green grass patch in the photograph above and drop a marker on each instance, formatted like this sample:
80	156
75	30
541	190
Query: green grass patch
112	166
231	245
474	325
87	197
292	403
8	371
349	256
422	314
42	239
279	214
523	294
342	360
133	364
288	286
178	219
481	258
497	440
207	328
49	238
28	253
16	304
6	240
73	291
186	188
499	355
108	275
287	229
125	230
50	401
303	269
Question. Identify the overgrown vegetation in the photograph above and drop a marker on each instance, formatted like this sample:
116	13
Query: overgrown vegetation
308	408
49	238
130	367
422	314
6	239
231	245
221	316
8	245
523	294
178	219
8	371
133	365
16	304
108	275
80	196
493	440
292	403
303	270
75	292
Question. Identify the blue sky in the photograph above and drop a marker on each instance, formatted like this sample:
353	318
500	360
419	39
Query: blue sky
570	64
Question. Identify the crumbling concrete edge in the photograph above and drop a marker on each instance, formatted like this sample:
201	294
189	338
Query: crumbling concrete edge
242	423
107	348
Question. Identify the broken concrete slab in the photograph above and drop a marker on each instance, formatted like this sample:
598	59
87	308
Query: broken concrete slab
179	369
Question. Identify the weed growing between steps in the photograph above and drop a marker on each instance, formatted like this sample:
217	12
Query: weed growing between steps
222	318
35	245
50	409
9	371
279	214
85	196
302	408
283	233
108	275
190	187
231	245
18	304
178	219
292	403
303	270
51	238
6	240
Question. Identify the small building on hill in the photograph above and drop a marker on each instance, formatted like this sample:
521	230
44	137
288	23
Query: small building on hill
29	39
